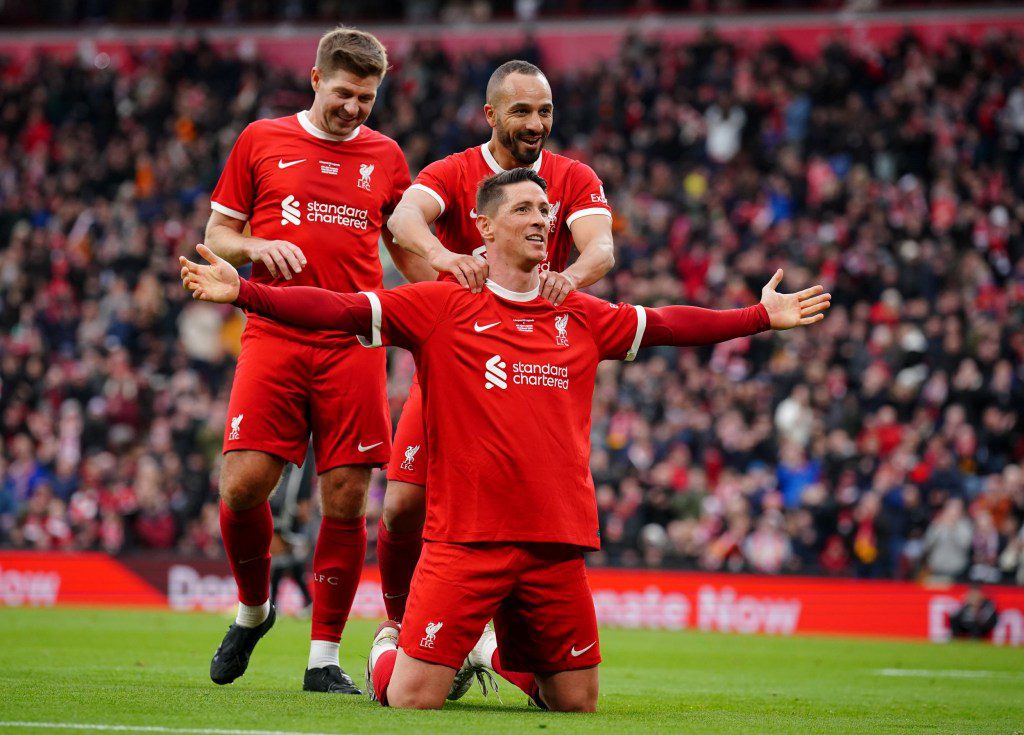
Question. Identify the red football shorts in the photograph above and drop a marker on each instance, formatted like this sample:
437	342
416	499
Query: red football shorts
537	595
409	453
285	389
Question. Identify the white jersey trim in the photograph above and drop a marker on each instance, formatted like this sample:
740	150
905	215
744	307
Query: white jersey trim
316	132
586	213
434	194
502	292
375	321
233	213
493	163
641	327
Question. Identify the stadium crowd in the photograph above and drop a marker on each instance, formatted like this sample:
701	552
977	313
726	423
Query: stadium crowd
888	442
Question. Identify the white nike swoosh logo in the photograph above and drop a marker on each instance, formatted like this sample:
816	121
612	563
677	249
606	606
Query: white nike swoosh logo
580	652
395	597
361	448
483	327
282	164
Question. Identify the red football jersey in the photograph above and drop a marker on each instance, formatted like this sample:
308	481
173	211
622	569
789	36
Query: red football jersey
574	191
508	383
329	196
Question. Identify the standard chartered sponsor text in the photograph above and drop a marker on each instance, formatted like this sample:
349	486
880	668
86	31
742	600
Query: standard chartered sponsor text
337	214
543	375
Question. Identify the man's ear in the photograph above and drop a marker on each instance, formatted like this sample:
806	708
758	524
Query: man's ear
314	79
485	227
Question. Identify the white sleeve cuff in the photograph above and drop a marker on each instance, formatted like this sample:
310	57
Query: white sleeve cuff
437	197
586	213
234	213
375	319
641	327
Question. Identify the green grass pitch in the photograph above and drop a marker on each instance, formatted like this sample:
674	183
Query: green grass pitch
128	671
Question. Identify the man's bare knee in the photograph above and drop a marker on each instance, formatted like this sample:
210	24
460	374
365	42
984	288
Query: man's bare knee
413	700
570	691
405	507
248	478
343	491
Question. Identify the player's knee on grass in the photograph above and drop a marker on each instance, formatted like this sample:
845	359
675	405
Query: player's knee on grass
569	691
417	684
405	507
248	478
343	491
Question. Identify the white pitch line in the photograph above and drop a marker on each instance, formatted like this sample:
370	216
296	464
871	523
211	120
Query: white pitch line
153	728
947	673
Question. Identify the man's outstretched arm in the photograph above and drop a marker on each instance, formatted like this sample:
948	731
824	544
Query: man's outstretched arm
686	326
299	306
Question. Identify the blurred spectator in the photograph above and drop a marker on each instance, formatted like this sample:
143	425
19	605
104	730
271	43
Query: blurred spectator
976	617
947	543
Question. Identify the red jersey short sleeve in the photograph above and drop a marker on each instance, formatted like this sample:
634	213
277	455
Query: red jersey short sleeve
438	180
235	192
406	316
400	180
585	194
617	329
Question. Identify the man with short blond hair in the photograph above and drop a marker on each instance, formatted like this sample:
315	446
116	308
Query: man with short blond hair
351	50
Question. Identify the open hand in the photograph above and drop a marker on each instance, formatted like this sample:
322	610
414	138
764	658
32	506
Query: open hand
217	282
788	310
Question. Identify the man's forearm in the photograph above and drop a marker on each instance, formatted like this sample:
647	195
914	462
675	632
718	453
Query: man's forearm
594	262
227	243
307	307
412	233
414	267
691	326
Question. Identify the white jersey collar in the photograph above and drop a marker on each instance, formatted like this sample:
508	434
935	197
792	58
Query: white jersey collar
493	163
521	296
316	132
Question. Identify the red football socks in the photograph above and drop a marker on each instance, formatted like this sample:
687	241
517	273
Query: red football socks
247	535
337	565
397	555
526	682
381	675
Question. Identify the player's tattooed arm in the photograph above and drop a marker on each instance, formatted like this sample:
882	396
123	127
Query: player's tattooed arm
225	236
593	238
410	225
